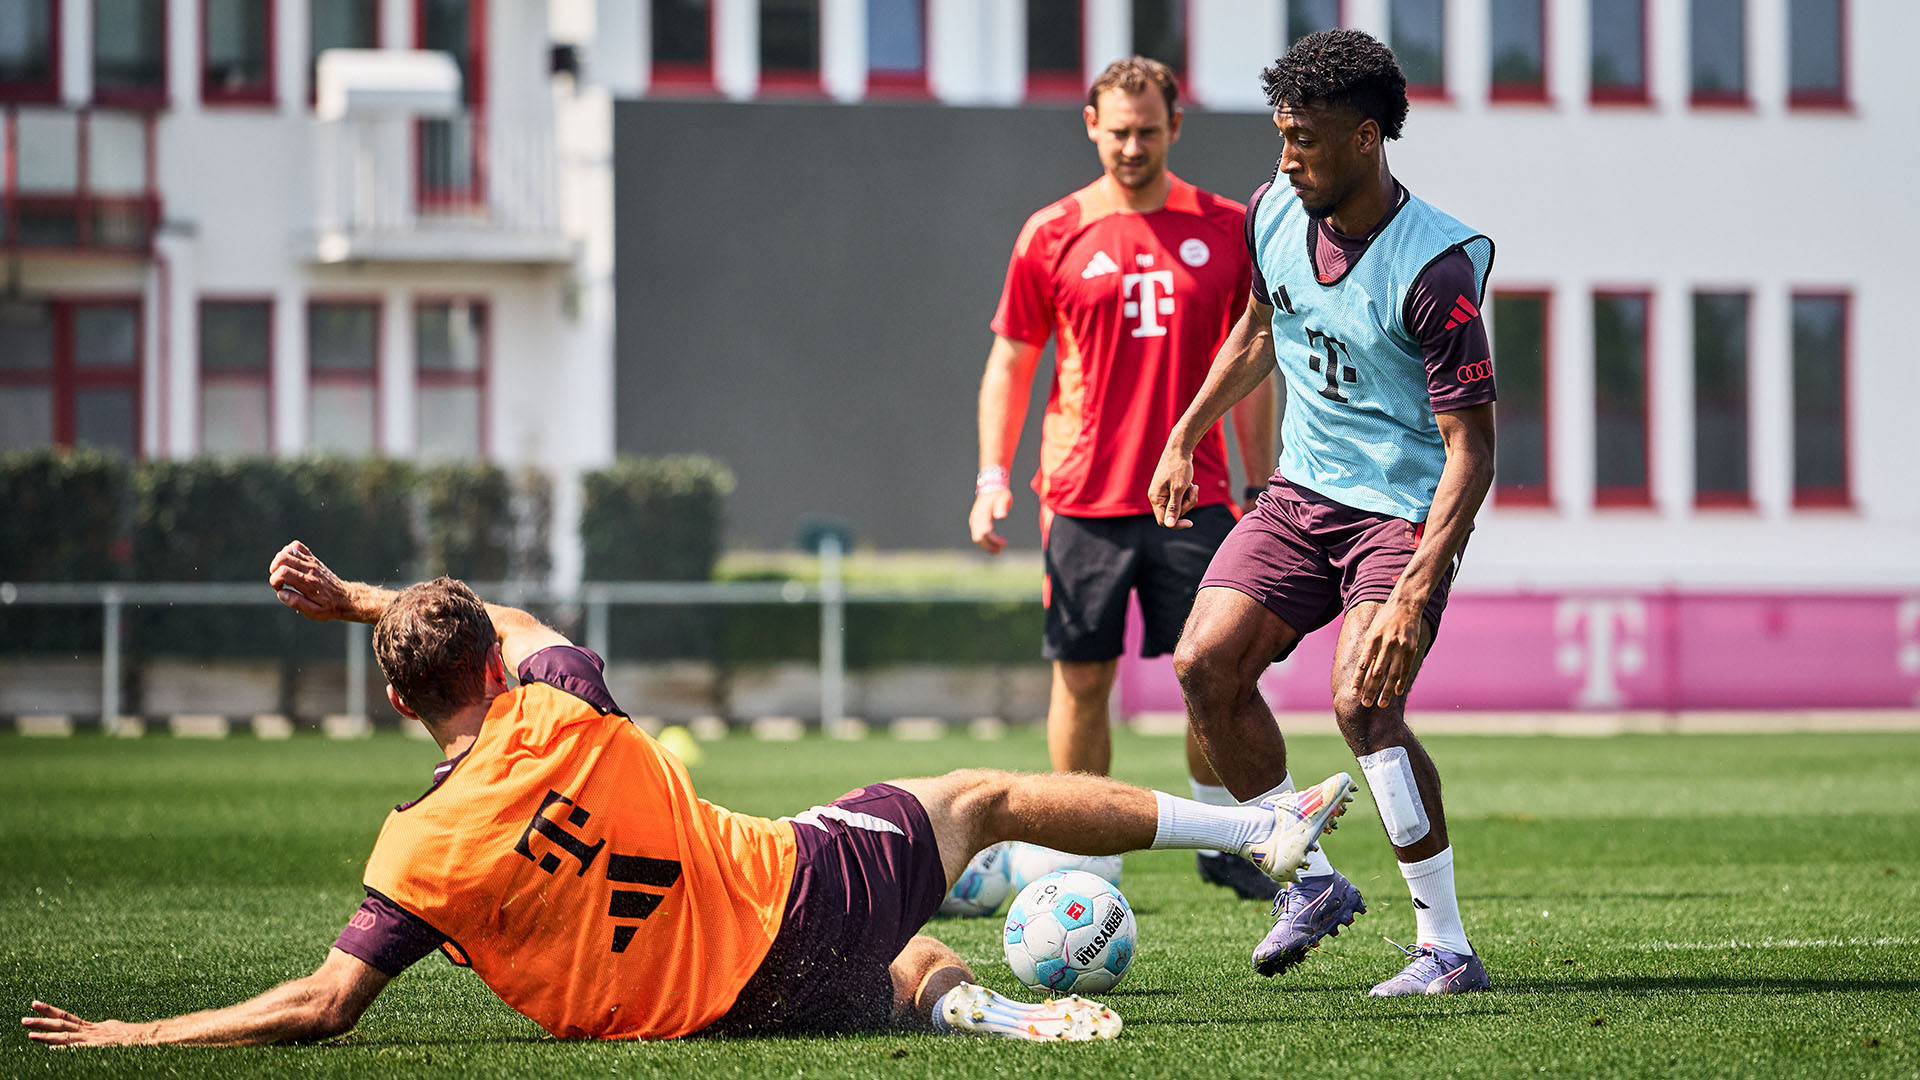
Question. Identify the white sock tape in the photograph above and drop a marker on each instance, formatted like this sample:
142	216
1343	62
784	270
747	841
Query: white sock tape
1396	795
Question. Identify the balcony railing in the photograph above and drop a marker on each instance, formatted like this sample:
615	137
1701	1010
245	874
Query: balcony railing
454	189
77	179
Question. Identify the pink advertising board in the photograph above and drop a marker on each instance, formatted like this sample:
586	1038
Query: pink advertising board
1621	650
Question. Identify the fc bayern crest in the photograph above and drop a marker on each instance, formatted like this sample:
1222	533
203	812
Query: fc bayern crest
1194	252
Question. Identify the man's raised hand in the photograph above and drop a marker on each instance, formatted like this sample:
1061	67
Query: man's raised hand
304	584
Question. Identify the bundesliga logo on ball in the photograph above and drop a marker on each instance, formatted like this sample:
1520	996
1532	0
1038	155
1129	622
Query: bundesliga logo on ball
1070	933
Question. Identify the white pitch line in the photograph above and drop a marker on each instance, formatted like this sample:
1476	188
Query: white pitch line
1776	943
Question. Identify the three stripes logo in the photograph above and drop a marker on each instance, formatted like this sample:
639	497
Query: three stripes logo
1463	312
621	869
1281	300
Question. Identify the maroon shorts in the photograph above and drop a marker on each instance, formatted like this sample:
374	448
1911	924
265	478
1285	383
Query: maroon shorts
1308	559
867	877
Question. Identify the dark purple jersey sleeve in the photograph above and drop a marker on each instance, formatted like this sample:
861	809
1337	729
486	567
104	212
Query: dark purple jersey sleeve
387	936
1443	314
575	670
1260	292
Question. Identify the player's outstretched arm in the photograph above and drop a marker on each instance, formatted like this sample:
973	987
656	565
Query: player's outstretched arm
310	587
326	1003
1004	389
1243	363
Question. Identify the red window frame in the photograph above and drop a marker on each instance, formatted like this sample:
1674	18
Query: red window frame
1058	86
143	97
258	94
1824	99
40	93
1620	496
1829	498
1525	93
479	379
671	77
339	377
66	378
1722	99
796	82
228	377
905	84
1426	91
1637	94
1542	495
474	94
1728	500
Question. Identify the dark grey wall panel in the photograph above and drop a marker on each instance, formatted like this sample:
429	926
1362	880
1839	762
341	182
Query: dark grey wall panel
804	291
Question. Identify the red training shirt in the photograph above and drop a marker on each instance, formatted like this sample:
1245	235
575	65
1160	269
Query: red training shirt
1141	302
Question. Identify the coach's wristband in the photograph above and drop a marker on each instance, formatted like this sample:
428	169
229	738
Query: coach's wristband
1252	491
991	478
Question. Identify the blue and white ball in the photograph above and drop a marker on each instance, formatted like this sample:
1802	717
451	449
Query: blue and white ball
983	885
1027	863
1070	932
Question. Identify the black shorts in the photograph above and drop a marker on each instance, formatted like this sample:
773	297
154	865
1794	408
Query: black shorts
1093	563
867	876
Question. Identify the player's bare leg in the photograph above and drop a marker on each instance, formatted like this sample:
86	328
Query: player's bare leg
1079	738
934	991
1406	790
922	974
1229	640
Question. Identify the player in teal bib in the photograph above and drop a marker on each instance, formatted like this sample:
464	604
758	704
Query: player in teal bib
1368	301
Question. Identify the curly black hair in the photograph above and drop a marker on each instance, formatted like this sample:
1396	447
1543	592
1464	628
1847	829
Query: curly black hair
1343	69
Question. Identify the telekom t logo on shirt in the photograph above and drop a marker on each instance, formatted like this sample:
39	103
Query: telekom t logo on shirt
1155	291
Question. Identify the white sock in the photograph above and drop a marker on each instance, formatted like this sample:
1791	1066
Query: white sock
1436	913
1185	823
1317	864
1211	795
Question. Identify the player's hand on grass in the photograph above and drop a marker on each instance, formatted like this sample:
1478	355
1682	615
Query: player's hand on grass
1390	652
53	1026
1173	492
988	508
304	584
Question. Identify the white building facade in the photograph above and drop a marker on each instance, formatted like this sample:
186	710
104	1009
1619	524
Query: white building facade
196	262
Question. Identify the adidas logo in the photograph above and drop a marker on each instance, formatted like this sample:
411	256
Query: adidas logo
1463	312
1420	904
1101	263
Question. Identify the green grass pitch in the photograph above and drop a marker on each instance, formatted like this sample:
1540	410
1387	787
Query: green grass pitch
1647	906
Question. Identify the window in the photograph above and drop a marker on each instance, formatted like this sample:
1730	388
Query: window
30	50
236	61
1817	52
1310	16
1617	66
1415	32
1160	31
1820	458
1055	66
790	45
1520	362
236	376
1718	52
453	151
682	42
1621	330
343	359
1720	399
450	349
340	24
70	375
130	52
897	45
1518	47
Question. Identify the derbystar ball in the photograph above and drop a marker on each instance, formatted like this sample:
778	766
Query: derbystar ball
1070	932
983	885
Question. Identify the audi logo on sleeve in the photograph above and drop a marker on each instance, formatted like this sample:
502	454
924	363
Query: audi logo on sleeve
1475	372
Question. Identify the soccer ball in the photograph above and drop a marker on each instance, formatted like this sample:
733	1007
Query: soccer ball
1027	863
1070	933
983	885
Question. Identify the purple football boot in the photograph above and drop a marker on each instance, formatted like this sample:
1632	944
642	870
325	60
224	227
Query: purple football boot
1306	911
1434	971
